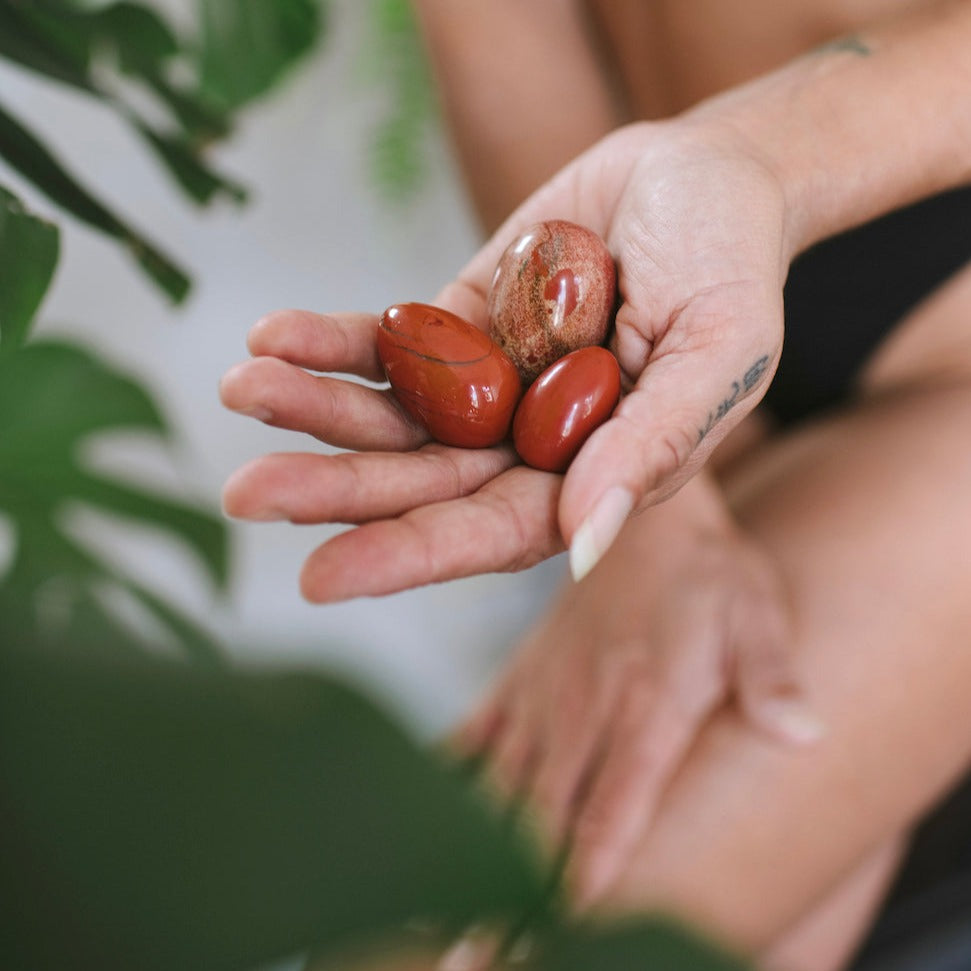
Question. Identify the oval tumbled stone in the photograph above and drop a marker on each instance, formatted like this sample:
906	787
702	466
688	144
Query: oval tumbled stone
448	374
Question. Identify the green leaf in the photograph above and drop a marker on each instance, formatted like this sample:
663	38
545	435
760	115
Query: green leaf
198	181
195	819
59	42
29	248
46	42
143	41
247	45
143	45
199	530
53	398
647	945
198	645
53	394
25	153
395	58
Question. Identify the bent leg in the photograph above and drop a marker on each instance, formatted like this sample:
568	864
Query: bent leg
825	938
869	518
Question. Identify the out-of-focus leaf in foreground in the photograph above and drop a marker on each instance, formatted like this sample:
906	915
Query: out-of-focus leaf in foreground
161	816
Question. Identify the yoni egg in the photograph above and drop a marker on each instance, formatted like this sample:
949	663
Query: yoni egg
564	405
552	293
448	374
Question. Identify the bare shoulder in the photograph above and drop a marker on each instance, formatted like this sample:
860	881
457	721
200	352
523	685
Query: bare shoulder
668	55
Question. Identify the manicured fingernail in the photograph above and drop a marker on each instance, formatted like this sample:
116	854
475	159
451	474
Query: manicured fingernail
474	951
268	515
590	882
599	530
521	950
793	720
259	412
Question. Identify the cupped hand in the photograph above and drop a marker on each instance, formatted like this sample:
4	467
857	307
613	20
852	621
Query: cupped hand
598	707
695	222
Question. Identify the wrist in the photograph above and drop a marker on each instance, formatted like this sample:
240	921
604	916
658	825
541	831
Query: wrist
860	126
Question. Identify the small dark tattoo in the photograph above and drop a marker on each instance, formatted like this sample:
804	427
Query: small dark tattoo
739	388
754	374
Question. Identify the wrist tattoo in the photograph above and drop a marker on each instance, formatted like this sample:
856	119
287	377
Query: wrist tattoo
739	389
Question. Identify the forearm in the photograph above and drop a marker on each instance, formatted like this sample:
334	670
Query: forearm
521	90
865	124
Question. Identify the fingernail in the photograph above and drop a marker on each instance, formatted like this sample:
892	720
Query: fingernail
521	950
259	412
268	515
599	530
474	951
793	720
589	883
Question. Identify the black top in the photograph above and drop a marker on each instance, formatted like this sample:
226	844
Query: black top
846	293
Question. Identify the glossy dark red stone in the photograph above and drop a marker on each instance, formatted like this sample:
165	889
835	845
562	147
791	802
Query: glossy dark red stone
448	374
553	292
564	405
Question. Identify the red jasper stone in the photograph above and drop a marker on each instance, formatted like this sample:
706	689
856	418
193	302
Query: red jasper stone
448	374
553	292
564	405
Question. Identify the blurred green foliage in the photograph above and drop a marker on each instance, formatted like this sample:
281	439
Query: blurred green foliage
394	60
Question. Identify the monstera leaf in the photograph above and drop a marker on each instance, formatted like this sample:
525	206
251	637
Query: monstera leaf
53	398
247	45
245	49
163	816
28	256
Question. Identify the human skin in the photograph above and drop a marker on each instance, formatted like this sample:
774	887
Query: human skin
876	568
703	214
422	545
785	853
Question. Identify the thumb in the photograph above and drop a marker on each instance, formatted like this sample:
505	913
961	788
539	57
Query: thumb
683	404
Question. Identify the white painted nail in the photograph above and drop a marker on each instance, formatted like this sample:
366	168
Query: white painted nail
793	720
472	952
259	412
599	530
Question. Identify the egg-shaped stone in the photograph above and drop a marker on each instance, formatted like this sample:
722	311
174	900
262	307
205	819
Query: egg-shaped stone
448	374
553	292
564	405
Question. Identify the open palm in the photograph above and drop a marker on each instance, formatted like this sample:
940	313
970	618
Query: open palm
695	225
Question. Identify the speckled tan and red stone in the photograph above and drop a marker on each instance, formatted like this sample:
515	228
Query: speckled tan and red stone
552	293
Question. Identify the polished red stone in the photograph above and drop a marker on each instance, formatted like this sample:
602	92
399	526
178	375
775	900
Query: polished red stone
553	292
448	374
564	405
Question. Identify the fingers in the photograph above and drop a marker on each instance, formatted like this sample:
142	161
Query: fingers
357	487
507	525
320	342
649	737
341	413
767	682
573	726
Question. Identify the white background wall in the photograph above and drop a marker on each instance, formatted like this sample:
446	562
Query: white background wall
316	234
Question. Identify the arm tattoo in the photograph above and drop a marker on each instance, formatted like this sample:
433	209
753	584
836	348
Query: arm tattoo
739	388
